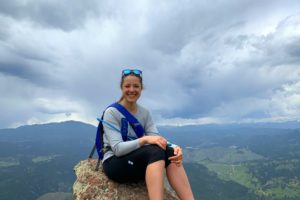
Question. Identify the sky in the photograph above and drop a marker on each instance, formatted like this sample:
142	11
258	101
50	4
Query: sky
223	61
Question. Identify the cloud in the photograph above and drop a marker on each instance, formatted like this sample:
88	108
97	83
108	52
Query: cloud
253	66
53	14
202	62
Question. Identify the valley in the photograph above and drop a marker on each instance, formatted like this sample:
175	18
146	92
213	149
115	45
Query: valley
222	162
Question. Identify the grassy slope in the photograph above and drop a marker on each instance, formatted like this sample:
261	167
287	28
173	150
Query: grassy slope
234	164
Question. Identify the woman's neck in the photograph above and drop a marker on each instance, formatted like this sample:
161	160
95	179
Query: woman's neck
131	107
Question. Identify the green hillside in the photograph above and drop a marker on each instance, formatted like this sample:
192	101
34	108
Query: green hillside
223	163
266	178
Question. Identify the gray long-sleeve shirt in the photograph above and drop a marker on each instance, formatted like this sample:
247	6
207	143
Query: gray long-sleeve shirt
113	138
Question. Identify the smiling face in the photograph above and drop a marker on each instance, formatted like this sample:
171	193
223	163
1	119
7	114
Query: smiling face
131	89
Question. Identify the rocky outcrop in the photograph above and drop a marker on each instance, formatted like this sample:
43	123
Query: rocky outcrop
94	185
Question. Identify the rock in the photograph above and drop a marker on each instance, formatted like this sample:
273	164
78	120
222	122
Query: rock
94	185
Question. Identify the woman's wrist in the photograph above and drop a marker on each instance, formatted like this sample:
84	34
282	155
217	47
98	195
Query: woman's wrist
172	145
143	140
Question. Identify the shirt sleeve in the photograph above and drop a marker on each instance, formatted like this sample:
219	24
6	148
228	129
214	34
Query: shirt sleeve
114	138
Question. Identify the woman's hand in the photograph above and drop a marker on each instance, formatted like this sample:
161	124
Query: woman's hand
178	156
153	139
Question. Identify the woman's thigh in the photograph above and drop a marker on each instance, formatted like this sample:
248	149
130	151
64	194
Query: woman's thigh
132	167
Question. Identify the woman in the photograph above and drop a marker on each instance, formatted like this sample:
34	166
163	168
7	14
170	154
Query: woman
141	158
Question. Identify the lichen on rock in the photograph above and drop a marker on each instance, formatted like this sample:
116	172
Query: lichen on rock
94	185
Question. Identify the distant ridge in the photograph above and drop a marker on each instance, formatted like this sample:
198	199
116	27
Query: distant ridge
281	125
47	125
69	122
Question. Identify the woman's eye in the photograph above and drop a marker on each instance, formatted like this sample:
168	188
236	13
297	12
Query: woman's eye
134	86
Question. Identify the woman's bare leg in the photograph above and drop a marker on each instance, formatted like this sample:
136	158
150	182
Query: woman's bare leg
155	180
179	181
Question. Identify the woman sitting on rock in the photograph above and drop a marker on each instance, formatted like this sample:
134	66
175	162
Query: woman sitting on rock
146	157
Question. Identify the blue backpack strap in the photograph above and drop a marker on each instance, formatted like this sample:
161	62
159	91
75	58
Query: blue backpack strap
137	127
135	124
99	139
124	127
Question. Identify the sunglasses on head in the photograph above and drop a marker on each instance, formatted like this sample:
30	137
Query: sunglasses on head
135	72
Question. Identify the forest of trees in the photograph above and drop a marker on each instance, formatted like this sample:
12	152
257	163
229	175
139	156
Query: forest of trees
222	162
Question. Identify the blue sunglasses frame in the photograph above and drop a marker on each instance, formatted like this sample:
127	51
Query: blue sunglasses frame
135	72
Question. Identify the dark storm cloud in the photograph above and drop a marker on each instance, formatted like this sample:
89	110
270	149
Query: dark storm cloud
26	71
202	61
175	25
19	70
65	15
248	77
293	49
29	63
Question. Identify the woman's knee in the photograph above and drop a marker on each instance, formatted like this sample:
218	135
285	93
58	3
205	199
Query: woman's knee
154	153
155	149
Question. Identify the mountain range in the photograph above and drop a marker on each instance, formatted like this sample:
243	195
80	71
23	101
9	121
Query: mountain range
233	161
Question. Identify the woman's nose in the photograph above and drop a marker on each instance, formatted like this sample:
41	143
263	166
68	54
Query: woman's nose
131	88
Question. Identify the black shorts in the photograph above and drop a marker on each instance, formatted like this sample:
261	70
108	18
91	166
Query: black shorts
132	167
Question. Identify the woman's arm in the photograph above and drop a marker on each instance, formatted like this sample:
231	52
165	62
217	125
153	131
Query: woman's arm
150	129
153	139
114	138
